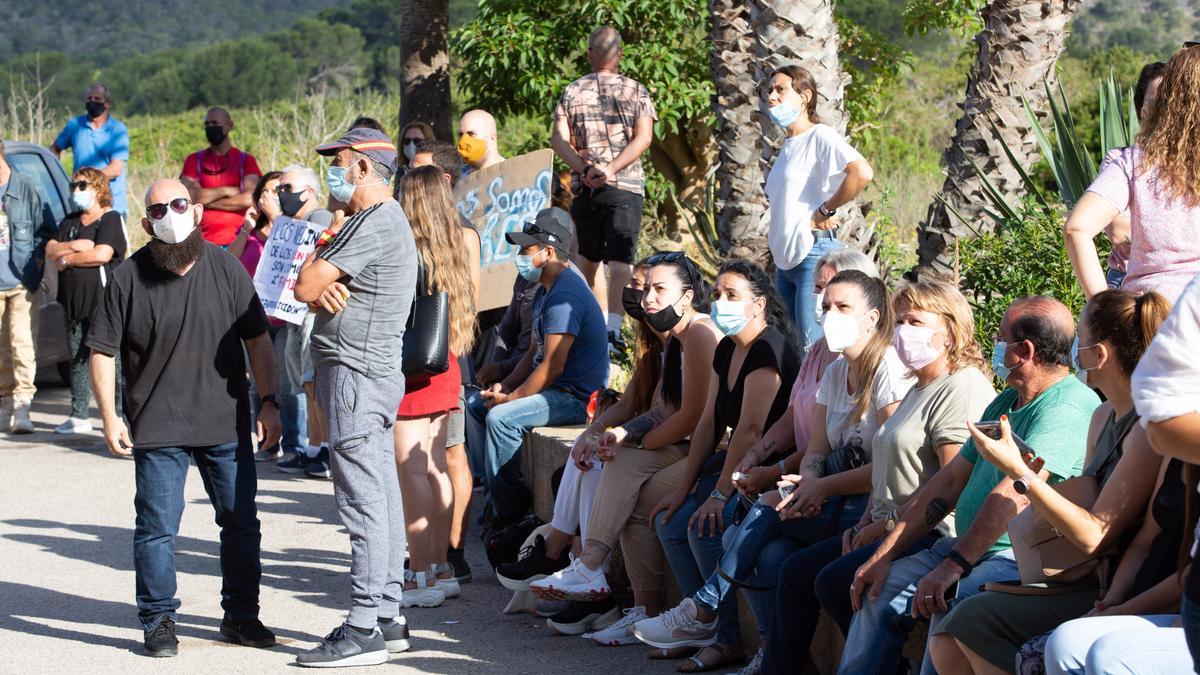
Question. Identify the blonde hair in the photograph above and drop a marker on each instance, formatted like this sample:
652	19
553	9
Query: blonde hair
1170	133
98	182
437	230
946	301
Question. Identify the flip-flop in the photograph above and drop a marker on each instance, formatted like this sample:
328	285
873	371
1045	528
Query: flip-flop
730	656
672	654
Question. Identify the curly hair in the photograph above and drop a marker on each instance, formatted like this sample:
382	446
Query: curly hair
946	301
438	232
1171	131
97	181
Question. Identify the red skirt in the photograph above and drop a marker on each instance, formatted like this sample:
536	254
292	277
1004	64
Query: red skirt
431	395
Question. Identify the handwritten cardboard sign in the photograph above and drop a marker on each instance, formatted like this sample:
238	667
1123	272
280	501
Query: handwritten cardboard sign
286	250
498	200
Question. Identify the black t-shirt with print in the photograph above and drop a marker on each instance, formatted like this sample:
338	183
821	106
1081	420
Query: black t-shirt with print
80	288
180	341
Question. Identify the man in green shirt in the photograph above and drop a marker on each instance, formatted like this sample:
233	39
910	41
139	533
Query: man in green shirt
1047	407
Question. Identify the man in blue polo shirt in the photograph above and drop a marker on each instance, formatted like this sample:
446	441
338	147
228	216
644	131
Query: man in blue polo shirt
98	141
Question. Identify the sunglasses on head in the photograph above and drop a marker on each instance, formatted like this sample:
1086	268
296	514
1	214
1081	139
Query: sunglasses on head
534	229
1191	43
80	186
159	211
670	257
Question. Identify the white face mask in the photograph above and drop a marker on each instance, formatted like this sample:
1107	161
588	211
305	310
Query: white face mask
174	227
841	331
83	199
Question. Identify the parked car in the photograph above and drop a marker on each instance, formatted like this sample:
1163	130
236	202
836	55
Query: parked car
34	161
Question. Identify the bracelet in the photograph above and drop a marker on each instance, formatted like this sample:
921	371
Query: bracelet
828	213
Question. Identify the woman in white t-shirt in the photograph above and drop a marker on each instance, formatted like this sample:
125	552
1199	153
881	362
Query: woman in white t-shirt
815	173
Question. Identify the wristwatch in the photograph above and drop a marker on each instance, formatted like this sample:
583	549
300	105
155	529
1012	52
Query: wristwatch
828	213
957	559
1021	485
889	521
716	494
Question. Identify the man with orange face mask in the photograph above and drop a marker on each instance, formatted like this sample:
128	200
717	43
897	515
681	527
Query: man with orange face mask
477	141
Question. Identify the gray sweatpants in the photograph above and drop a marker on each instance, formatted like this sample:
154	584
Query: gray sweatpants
359	413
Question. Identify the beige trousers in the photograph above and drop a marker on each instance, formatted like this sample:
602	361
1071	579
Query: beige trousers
18	358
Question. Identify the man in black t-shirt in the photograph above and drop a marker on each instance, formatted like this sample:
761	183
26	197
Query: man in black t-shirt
179	312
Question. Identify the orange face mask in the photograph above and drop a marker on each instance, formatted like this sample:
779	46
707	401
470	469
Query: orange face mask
472	149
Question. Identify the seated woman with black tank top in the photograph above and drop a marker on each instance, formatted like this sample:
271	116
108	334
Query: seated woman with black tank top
631	442
984	632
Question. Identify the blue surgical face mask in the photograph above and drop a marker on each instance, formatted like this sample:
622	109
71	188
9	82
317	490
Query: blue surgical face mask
1080	371
729	316
339	189
783	114
526	269
1002	371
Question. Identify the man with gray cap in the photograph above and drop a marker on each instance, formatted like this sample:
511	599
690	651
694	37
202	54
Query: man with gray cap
360	280
552	383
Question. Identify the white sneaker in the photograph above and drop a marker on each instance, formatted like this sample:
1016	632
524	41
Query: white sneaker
621	633
574	582
755	665
677	627
6	413
449	587
21	422
422	595
74	425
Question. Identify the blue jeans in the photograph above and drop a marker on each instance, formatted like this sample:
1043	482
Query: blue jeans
878	631
762	543
230	481
812	579
1189	611
796	288
1114	278
293	404
1105	645
692	557
503	428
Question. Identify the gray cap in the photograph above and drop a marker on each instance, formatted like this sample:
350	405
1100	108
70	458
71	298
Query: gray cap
370	142
551	227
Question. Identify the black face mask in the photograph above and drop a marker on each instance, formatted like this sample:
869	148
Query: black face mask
94	109
631	300
214	134
664	319
291	203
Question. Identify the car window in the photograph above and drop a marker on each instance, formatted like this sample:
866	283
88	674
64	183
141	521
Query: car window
33	166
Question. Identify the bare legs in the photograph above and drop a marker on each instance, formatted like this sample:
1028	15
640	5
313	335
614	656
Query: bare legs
462	483
425	489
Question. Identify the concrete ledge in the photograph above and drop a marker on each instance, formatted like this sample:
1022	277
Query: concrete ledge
544	451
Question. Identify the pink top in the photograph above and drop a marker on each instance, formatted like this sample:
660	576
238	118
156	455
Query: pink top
1164	234
251	254
804	390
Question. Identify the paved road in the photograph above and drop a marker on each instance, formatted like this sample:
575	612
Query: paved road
66	577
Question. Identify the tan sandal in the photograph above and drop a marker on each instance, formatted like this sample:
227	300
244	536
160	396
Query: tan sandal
729	656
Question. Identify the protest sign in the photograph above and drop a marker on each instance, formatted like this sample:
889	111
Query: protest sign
286	250
498	200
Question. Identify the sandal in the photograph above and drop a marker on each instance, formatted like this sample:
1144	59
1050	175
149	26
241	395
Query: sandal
730	655
672	654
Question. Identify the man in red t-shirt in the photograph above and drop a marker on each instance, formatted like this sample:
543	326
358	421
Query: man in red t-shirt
222	178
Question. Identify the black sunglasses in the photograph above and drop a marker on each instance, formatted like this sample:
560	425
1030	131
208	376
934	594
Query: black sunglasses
287	187
1190	43
670	257
534	229
79	185
158	211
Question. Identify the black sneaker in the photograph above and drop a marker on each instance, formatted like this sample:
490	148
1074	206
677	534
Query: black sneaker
395	634
296	463
581	617
250	632
457	558
346	646
318	467
531	565
161	640
616	344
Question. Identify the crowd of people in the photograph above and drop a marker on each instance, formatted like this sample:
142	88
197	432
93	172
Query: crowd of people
822	440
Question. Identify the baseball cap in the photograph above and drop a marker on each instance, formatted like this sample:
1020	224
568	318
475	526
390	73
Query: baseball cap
551	227
371	142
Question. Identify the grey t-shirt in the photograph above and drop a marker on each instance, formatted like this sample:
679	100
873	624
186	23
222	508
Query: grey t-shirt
905	447
377	255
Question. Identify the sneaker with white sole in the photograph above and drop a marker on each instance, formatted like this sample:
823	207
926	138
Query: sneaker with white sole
544	609
581	617
6	413
755	665
621	633
449	585
74	425
423	595
271	454
574	582
677	627
395	634
21	423
346	646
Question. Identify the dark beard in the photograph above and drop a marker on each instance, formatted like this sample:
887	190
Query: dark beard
174	257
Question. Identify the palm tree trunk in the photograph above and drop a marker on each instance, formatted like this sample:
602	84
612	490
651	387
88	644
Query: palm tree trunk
425	64
1020	42
804	32
741	203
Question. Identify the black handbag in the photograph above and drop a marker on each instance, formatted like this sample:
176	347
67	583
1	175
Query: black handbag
426	350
